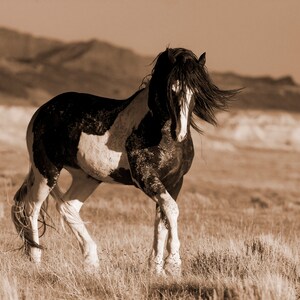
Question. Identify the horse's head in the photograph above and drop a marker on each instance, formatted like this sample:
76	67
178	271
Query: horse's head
173	85
180	86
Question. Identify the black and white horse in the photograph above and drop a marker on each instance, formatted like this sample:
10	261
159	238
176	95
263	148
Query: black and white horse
143	141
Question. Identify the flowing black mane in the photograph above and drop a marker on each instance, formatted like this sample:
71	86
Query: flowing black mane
182	65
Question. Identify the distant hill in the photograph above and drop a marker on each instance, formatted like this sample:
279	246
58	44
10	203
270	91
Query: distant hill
32	70
262	92
14	44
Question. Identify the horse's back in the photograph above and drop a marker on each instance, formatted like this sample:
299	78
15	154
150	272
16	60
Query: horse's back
86	111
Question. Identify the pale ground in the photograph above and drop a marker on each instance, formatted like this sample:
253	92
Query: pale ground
239	221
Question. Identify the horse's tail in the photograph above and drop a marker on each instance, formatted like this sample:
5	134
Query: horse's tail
21	210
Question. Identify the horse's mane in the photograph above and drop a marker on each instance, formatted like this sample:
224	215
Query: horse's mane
182	65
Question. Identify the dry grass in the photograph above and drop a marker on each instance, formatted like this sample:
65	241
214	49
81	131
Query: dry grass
239	237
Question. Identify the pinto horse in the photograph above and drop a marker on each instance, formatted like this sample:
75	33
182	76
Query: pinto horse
143	141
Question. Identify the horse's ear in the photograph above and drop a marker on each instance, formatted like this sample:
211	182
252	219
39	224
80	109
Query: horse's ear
202	59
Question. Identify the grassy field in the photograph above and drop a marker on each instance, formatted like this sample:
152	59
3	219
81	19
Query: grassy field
239	228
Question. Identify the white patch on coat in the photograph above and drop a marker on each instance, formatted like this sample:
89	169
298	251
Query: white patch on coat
99	155
182	125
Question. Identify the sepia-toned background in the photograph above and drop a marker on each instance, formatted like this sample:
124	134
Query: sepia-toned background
240	204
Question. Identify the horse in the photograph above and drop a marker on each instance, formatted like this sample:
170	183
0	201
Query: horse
144	141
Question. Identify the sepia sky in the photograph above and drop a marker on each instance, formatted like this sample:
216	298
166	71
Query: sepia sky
251	37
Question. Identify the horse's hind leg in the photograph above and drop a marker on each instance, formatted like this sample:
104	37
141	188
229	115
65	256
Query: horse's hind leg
69	206
26	210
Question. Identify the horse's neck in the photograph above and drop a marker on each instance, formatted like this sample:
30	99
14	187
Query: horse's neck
158	108
132	115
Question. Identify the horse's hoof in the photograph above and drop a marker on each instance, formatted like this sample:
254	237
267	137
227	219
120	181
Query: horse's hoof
173	267
91	269
35	255
174	271
156	269
91	266
158	273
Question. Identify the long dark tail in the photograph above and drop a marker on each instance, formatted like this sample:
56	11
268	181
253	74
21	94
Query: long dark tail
21	211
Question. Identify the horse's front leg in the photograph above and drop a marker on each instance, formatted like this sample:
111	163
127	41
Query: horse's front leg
171	211
166	222
156	262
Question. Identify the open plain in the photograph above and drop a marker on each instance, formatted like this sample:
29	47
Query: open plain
239	221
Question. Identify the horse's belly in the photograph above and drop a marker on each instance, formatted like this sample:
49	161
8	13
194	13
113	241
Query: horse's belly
101	156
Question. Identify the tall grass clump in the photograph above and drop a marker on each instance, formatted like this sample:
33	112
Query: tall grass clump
263	267
8	288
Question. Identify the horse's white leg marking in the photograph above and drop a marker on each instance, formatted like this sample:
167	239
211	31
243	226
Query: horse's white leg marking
170	209
37	195
37	191
69	207
160	234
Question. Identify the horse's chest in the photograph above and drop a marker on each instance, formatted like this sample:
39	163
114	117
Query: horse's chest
169	161
99	156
